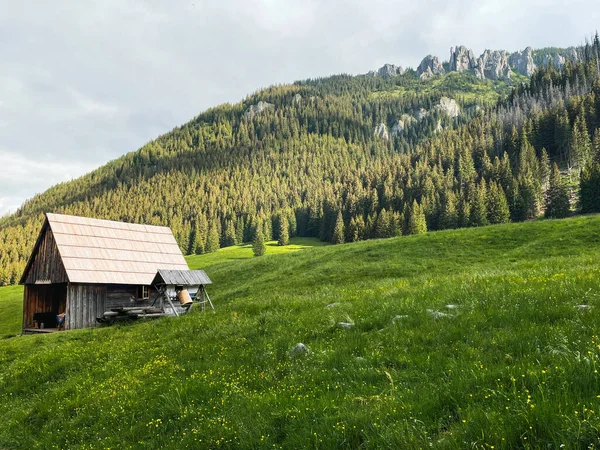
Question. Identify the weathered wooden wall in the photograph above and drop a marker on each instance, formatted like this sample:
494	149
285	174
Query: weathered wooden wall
42	298
46	264
85	302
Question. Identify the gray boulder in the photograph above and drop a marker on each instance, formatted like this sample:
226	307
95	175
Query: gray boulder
493	65
381	131
429	67
522	62
387	71
461	59
299	349
259	108
297	99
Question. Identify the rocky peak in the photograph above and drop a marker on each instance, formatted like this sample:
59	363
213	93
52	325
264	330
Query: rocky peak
461	59
387	71
254	110
429	67
493	65
522	62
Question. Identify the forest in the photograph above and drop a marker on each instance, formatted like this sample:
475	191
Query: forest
350	158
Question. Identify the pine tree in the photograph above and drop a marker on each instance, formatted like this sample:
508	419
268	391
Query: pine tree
478	215
557	196
497	206
284	232
258	243
449	215
213	240
416	221
338	231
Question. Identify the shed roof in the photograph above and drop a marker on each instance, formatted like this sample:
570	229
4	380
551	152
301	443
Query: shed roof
181	277
108	252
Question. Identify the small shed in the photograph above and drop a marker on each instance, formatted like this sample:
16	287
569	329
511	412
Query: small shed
83	267
170	283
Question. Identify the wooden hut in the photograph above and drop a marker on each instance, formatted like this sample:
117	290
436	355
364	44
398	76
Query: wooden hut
83	267
171	284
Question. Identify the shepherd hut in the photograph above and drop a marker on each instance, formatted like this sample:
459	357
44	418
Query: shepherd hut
83	267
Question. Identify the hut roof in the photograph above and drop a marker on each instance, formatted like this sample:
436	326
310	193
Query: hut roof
181	277
108	252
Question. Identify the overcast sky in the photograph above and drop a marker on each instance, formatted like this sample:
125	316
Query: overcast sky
84	82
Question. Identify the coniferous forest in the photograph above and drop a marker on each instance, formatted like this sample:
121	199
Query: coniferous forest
350	158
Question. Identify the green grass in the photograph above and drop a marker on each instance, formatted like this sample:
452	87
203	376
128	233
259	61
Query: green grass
244	251
513	364
11	310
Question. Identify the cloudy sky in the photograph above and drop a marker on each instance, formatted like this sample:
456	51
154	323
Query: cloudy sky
84	82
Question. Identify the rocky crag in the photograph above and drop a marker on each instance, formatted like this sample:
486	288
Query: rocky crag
490	65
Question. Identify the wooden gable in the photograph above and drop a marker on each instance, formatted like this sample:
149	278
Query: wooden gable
45	265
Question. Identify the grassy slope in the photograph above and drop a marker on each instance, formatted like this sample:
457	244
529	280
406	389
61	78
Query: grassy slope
513	365
11	310
244	251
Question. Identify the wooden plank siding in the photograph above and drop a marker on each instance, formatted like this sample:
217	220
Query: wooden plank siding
85	302
46	265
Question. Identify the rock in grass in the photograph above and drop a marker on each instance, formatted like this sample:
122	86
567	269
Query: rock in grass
583	307
331	305
399	317
451	306
299	349
438	314
345	325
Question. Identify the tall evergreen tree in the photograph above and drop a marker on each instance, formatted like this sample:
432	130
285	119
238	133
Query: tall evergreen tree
284	232
497	206
338	231
557	196
478	215
258	243
213	240
416	221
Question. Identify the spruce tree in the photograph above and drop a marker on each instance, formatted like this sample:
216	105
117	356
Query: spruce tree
213	240
449	215
258	243
284	232
417	223
338	231
478	215
497	206
557	196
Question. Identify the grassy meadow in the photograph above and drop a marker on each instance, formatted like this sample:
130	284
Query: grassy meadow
479	338
11	310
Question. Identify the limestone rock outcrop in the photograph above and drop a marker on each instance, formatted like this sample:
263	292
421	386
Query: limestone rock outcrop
381	131
259	108
461	59
493	65
429	67
522	62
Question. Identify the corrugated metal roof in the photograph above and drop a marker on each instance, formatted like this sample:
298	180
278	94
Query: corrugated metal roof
108	252
182	277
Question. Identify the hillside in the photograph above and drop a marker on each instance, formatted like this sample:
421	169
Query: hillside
465	338
367	156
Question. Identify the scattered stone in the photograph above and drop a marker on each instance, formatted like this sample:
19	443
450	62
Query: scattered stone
331	305
360	359
381	131
439	128
259	108
583	307
297	99
452	306
399	317
438	314
345	325
299	349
